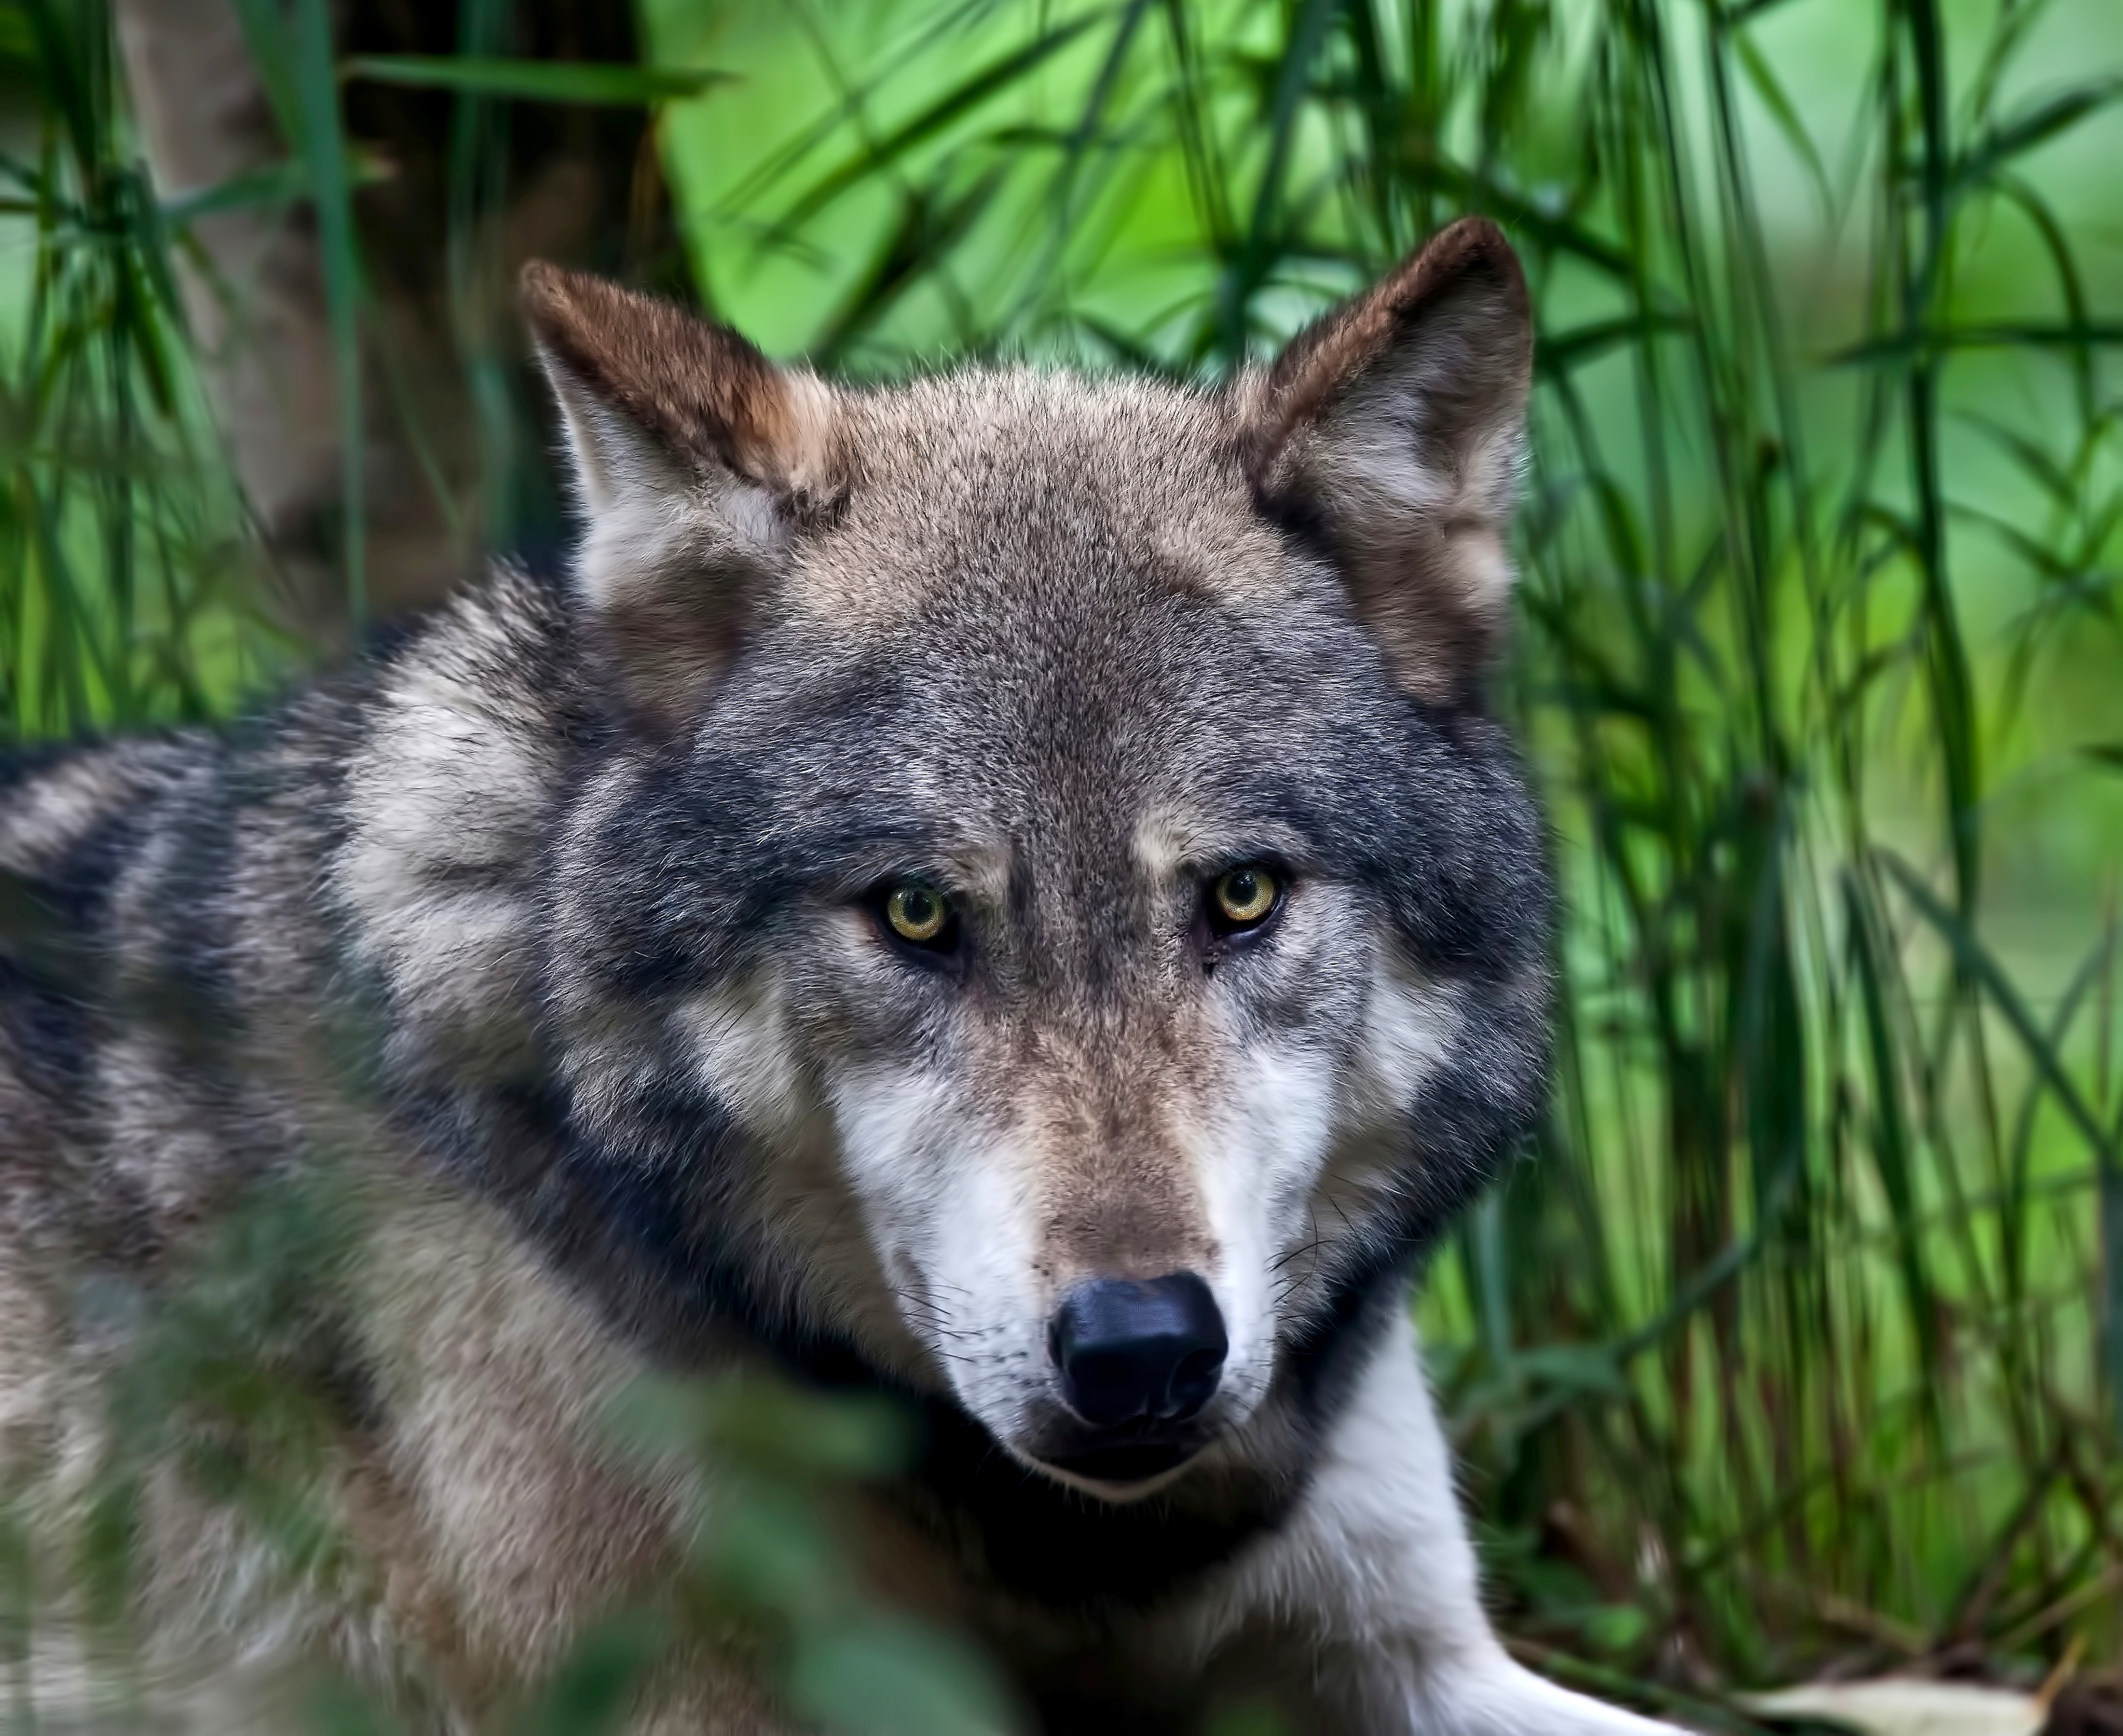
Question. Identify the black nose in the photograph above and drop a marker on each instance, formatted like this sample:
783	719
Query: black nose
1126	1350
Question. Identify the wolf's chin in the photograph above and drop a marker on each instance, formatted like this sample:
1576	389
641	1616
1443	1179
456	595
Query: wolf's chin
1119	1475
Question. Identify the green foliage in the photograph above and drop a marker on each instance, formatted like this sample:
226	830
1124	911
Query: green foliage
531	81
118	526
768	1552
231	1372
1803	1335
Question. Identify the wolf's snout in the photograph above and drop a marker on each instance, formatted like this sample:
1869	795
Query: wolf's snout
1127	1350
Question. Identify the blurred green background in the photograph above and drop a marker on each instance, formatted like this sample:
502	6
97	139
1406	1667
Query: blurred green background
1799	1341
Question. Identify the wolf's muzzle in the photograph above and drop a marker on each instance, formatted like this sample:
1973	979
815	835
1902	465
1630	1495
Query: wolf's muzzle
1149	1352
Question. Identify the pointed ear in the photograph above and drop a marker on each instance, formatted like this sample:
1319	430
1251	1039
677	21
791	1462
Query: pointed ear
695	462
1395	425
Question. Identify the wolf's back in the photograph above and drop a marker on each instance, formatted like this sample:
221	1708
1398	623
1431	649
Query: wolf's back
77	825
189	989
210	986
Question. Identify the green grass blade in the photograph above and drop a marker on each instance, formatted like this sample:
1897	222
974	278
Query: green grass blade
324	148
596	83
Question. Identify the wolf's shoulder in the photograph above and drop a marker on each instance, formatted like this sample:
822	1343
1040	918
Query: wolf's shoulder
497	643
180	910
75	819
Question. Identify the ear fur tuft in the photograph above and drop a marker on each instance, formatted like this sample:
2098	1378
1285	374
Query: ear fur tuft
702	393
1396	421
695	458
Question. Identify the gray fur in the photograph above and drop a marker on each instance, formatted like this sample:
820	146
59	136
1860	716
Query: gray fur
548	936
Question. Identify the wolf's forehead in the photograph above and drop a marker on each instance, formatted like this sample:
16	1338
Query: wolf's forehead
1065	619
998	491
1160	736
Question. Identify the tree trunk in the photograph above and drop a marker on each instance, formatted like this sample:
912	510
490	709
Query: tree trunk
455	454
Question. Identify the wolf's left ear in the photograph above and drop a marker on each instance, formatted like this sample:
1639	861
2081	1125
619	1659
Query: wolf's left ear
695	462
1395	425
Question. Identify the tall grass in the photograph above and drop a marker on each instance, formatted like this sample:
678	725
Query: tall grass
1801	1336
124	592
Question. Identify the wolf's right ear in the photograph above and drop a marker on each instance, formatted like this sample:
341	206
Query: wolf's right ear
694	459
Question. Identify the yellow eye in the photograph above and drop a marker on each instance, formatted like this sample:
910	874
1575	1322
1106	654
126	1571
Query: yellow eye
917	913
1243	898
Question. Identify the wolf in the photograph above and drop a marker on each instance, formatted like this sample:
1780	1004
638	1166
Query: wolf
1000	891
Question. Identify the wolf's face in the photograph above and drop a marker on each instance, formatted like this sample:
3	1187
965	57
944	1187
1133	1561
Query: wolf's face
1050	897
